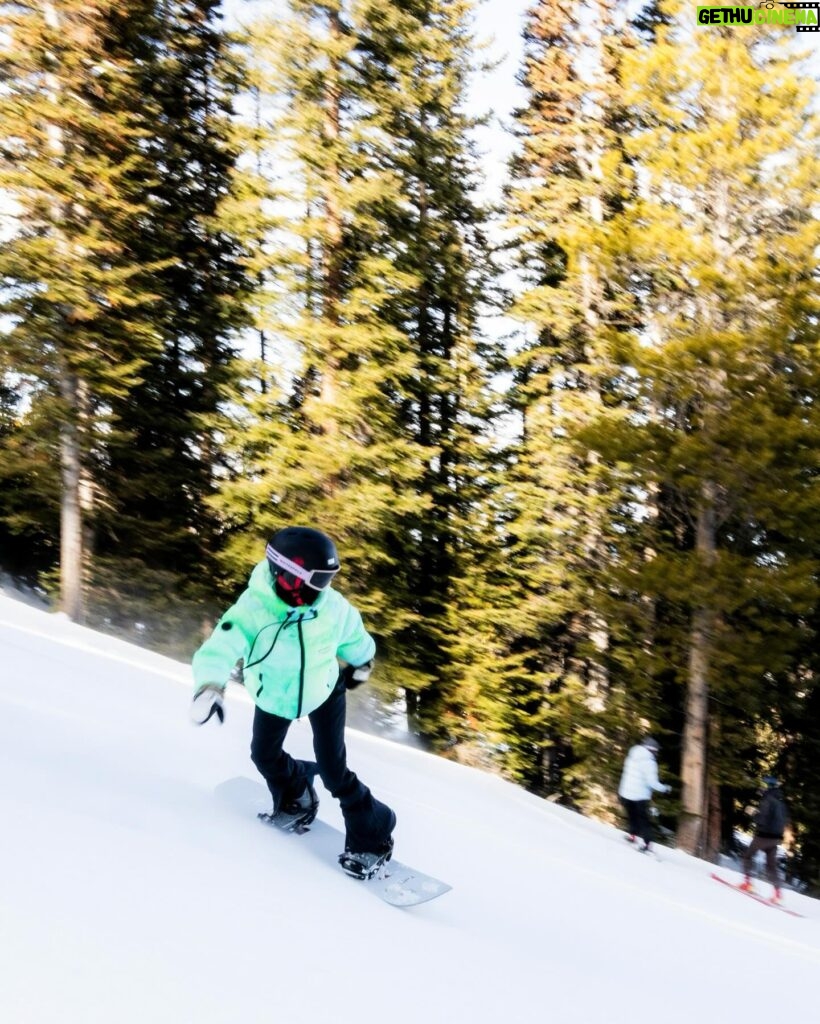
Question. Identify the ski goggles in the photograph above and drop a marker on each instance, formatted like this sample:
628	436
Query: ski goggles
318	579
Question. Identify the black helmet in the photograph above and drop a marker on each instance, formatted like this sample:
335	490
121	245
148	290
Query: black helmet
651	744
300	558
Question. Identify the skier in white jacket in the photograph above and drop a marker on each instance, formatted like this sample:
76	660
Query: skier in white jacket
638	781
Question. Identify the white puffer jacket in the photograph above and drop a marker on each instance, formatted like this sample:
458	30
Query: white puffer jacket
640	775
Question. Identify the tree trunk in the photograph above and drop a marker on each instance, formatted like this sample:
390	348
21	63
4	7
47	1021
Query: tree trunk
712	838
71	518
695	732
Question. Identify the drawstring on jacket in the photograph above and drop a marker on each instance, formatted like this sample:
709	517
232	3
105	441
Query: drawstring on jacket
287	621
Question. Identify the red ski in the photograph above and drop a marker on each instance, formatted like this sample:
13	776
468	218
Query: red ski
755	896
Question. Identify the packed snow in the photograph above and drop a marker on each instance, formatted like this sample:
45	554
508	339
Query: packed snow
137	888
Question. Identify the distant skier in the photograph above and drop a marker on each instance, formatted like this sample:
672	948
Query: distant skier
770	823
638	779
284	639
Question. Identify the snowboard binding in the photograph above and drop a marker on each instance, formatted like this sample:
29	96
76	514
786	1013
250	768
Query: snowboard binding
365	865
295	815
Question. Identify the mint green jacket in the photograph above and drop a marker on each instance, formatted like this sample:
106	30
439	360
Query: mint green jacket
290	654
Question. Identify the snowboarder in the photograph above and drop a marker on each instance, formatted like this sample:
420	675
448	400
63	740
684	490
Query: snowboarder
638	779
285	638
770	823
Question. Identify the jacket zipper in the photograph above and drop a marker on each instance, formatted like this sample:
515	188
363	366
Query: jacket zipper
268	651
301	666
287	622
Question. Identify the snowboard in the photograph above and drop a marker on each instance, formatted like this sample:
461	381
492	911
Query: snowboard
757	897
396	883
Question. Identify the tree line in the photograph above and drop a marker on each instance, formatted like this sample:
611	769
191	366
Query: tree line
249	278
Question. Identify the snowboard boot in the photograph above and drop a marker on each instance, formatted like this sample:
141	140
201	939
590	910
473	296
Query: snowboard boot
294	815
366	864
746	885
363	858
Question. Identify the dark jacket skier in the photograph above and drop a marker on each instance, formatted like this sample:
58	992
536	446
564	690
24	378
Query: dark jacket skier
770	823
285	638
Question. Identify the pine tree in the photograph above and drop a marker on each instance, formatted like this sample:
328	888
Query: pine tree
416	59
551	698
75	294
316	439
164	460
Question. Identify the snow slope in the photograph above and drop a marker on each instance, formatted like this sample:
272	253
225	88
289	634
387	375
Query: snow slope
134	891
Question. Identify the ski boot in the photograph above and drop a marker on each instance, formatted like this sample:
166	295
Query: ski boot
777	896
294	815
746	885
365	865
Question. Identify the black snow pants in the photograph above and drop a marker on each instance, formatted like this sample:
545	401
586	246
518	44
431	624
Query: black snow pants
368	822
637	813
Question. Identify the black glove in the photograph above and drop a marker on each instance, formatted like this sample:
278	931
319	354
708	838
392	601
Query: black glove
355	675
207	703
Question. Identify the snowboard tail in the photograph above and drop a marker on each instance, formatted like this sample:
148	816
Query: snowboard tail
401	886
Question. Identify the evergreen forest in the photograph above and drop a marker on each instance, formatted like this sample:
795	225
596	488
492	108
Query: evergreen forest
566	438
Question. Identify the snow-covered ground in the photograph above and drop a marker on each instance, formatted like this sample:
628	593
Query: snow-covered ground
132	891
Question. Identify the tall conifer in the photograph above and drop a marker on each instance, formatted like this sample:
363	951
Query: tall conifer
76	294
163	462
416	60
551	695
